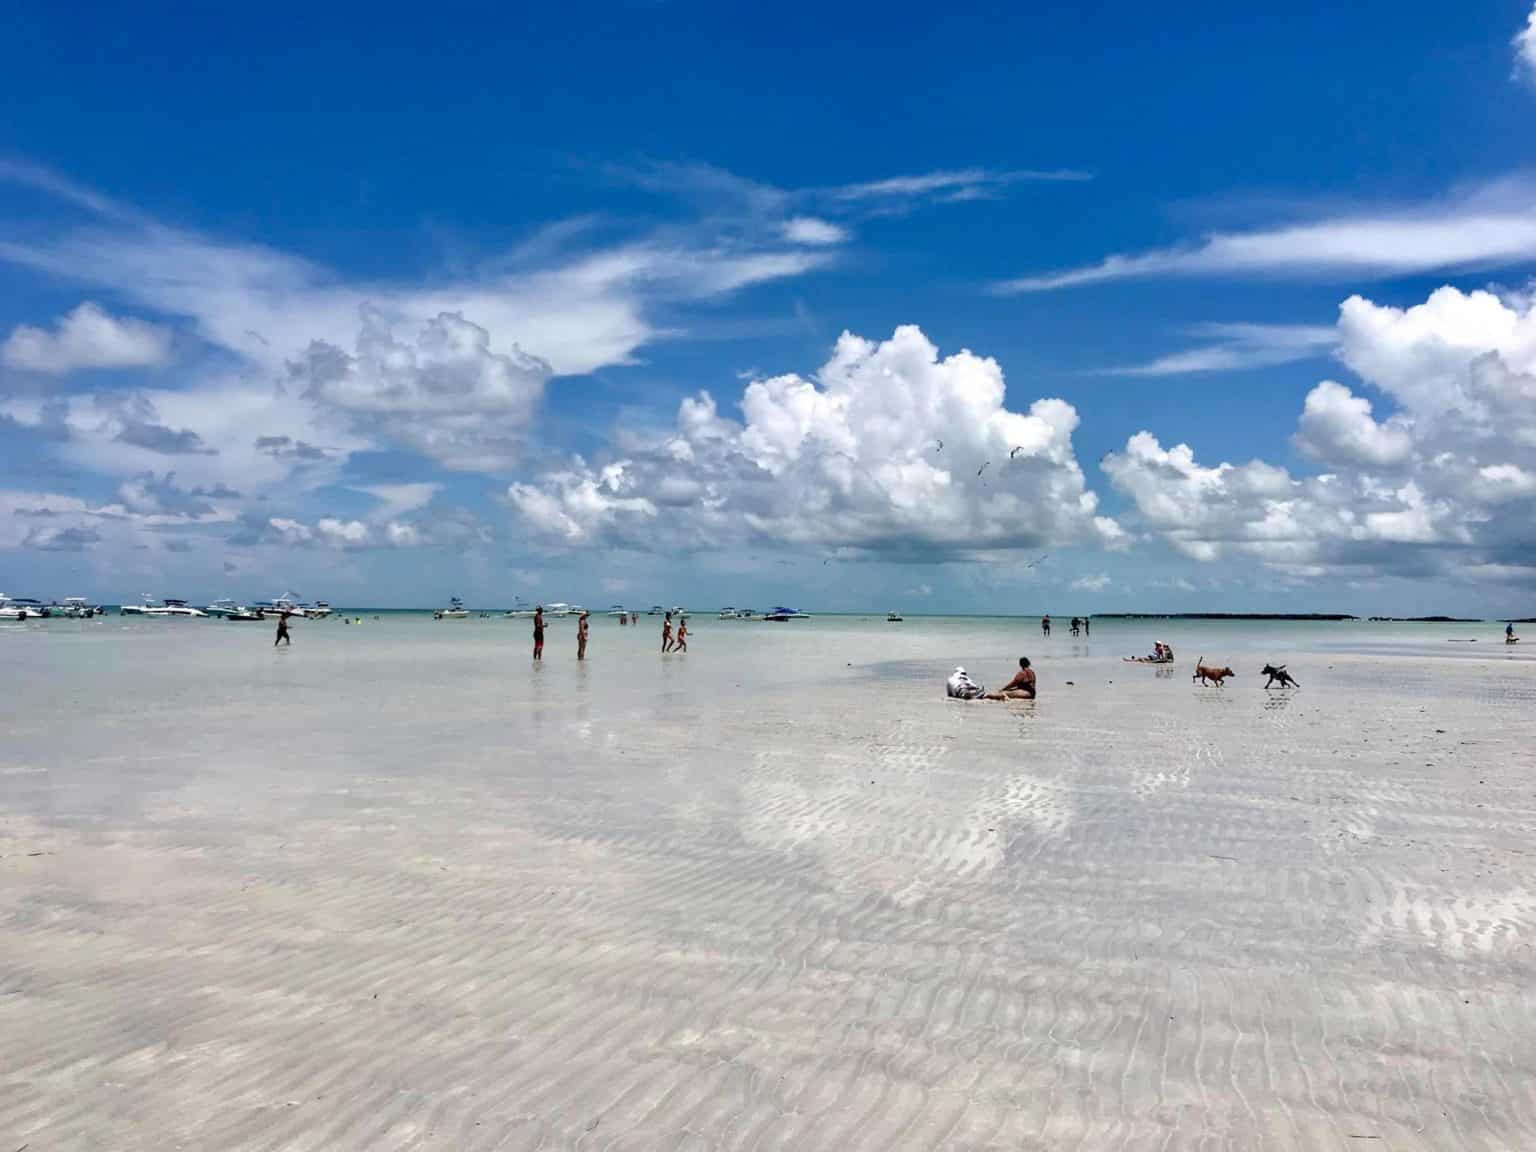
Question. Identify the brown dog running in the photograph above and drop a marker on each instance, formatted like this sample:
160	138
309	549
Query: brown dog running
1208	675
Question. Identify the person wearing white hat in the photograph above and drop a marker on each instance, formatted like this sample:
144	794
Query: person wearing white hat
959	686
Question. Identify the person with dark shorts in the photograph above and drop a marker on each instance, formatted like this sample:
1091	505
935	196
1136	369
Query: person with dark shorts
538	632
581	636
666	633
1045	625
282	632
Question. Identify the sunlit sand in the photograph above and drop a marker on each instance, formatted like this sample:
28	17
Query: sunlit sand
396	888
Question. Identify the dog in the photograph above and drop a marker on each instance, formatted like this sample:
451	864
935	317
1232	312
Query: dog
1278	675
1207	675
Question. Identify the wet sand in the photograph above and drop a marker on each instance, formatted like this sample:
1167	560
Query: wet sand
397	889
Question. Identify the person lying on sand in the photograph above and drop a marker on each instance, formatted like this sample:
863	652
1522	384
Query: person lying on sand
1021	687
960	686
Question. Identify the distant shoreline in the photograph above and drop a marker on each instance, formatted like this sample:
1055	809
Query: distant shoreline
1308	616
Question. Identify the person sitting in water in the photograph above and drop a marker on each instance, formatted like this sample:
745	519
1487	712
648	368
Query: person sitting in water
960	686
1021	687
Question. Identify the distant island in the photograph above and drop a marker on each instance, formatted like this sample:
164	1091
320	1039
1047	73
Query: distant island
1223	616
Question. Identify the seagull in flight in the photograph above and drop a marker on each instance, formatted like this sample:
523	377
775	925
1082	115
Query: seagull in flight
940	448
983	468
1016	451
1035	563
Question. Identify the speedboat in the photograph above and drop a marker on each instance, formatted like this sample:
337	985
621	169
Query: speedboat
12	609
454	611
520	610
729	614
170	606
617	610
893	618
557	609
228	610
78	608
656	610
319	610
30	609
780	614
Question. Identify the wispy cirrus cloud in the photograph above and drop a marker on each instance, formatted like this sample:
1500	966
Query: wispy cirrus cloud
1489	227
953	184
1236	347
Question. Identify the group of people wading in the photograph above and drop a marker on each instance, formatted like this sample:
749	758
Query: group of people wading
670	642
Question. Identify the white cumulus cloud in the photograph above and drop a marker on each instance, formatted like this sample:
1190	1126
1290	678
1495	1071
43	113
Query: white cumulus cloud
87	337
443	393
1525	48
1446	482
890	449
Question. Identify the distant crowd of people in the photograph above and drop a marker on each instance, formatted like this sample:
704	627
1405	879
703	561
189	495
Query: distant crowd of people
671	640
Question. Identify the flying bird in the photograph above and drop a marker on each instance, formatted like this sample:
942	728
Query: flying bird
940	448
1041	560
1016	451
983	468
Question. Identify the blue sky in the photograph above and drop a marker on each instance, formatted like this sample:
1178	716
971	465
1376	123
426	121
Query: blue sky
1213	310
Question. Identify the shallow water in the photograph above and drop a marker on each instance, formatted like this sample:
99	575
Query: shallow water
399	888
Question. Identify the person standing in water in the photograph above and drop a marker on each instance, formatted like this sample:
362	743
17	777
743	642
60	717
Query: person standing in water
282	632
682	635
666	633
1045	625
1087	628
538	632
581	636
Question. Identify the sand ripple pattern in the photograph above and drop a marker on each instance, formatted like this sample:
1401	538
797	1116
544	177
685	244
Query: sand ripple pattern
1138	918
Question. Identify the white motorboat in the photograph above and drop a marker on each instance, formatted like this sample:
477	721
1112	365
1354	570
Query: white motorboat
655	610
170	606
618	610
227	609
558	609
11	609
729	614
454	611
28	608
78	608
893	618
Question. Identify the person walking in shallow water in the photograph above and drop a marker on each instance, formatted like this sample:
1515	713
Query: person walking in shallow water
581	636
282	632
1045	625
538	632
681	644
666	633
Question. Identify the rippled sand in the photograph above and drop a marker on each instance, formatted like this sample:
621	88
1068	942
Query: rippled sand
396	889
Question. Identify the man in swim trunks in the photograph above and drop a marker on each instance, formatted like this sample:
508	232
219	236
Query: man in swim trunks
538	632
282	632
581	636
1021	687
1045	625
